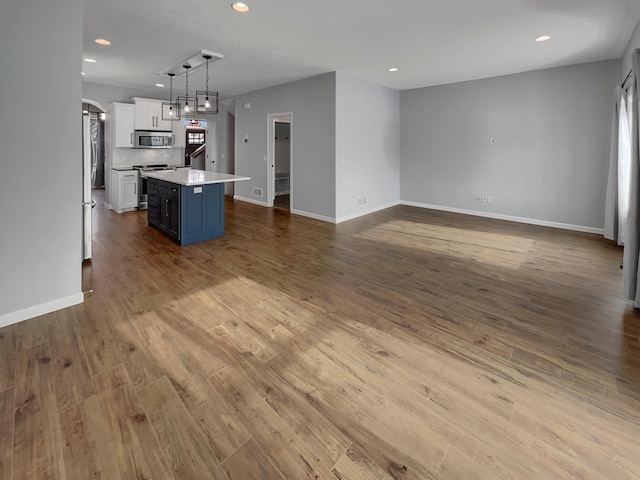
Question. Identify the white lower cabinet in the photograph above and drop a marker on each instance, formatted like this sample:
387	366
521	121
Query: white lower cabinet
126	190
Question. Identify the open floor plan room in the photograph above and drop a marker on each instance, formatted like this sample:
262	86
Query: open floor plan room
408	344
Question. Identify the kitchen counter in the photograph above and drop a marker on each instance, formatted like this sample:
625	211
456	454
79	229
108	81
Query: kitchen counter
192	178
187	205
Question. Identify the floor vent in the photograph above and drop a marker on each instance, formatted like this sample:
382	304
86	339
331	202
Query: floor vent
257	192
360	201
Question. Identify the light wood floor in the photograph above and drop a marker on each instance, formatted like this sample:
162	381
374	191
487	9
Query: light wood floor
409	344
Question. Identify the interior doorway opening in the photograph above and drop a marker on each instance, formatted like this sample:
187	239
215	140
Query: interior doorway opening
280	164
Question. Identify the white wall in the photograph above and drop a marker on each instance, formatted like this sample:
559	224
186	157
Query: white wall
40	171
634	43
552	130
312	102
367	146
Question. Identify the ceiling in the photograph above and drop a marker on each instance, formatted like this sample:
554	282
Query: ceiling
432	42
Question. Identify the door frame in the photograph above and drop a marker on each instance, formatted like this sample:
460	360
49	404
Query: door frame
211	133
271	157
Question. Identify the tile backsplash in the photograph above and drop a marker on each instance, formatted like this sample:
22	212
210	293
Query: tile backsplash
127	157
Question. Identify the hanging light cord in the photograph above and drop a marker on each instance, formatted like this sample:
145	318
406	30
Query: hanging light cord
187	66
207	86
171	94
206	94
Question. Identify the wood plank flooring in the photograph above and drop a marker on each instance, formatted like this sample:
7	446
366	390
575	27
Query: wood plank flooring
408	344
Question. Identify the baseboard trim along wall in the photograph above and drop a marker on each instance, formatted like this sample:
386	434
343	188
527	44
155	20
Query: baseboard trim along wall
250	200
41	309
315	216
510	218
346	218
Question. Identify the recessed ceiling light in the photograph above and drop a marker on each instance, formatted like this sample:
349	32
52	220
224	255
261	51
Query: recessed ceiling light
543	38
393	69
240	7
159	84
102	41
90	60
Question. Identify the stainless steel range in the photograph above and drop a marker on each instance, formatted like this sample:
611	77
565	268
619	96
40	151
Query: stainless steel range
143	197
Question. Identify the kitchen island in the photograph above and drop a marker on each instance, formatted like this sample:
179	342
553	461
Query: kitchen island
188	205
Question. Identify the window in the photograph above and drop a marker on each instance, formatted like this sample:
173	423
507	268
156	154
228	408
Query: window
195	138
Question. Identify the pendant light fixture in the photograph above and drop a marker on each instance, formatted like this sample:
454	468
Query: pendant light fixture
170	109
207	100
186	104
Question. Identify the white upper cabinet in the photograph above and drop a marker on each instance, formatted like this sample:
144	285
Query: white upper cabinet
123	124
149	115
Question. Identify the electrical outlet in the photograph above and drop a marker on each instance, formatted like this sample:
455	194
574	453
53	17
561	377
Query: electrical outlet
490	198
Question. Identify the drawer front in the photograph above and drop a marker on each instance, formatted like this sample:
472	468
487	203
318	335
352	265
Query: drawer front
152	184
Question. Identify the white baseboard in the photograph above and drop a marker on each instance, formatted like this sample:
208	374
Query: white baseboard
250	200
367	212
510	218
41	309
315	216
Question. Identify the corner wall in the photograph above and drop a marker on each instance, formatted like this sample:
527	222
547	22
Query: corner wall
552	131
367	147
41	173
312	102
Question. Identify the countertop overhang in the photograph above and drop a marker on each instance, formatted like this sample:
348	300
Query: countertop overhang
190	178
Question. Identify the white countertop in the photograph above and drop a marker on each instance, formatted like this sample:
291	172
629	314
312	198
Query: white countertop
191	178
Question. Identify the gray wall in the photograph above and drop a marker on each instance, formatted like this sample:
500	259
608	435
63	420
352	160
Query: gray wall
312	102
40	175
105	94
552	130
634	43
225	128
367	146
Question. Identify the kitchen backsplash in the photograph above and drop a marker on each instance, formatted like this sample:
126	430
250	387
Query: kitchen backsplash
127	157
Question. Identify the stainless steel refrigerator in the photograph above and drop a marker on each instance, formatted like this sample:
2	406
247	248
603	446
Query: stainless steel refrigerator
88	155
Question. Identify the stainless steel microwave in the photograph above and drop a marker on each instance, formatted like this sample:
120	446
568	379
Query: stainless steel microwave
147	139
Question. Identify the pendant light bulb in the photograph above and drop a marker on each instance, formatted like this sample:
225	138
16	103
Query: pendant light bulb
206	103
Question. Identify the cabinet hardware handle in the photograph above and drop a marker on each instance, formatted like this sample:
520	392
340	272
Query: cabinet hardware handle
129	176
135	188
131	138
166	207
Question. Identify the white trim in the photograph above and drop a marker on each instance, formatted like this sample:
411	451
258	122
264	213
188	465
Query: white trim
95	104
509	218
249	200
41	309
367	212
315	216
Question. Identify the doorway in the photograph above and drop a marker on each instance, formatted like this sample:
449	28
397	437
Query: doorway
280	164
